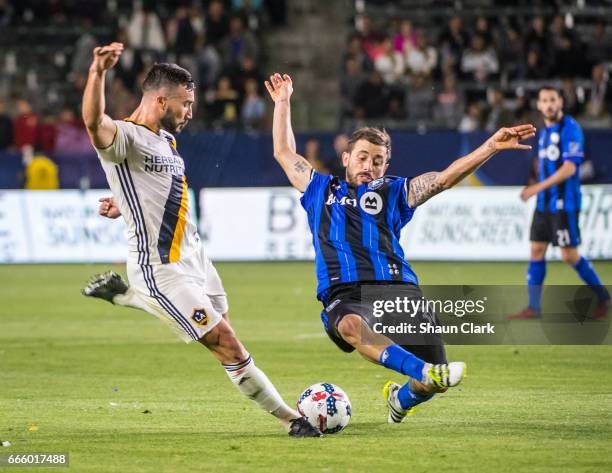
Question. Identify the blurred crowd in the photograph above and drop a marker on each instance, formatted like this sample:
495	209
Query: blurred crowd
217	41
473	75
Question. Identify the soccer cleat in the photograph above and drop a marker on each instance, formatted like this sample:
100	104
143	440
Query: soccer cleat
601	312
445	375
300	427
396	412
105	286
525	314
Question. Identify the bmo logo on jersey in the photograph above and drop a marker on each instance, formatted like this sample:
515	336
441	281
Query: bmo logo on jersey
332	199
371	203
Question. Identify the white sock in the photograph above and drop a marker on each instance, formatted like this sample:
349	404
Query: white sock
254	384
131	299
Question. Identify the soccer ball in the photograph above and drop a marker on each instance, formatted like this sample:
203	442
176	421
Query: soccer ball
326	406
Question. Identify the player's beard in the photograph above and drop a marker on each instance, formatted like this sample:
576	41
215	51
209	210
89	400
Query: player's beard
169	124
354	179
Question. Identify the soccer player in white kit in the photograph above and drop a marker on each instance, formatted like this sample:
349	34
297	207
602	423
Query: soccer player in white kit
168	271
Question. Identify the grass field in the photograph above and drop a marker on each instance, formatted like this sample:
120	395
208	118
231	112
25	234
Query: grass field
77	375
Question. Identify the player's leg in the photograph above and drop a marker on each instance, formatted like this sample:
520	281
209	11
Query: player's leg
381	350
567	231
541	234
403	400
536	272
586	272
251	381
244	374
111	287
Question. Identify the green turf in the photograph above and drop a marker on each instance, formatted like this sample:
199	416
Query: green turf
84	372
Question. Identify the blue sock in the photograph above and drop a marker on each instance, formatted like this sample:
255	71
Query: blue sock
589	276
536	271
396	358
408	398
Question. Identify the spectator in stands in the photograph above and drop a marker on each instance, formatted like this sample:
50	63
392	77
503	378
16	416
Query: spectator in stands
124	102
350	80
249	11
242	72
224	106
599	102
557	31
355	51
6	13
472	119
419	99
371	98
130	64
449	104
537	38
334	163
81	58
479	62
239	43
569	58
253	106
47	132
500	112
573	99
217	23
483	29
145	30
511	54
405	38
312	153
421	59
390	63
535	66
370	39
453	41
600	47
25	129
71	135
185	35
6	127
41	174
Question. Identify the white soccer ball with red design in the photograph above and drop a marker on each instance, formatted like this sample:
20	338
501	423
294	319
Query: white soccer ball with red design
326	406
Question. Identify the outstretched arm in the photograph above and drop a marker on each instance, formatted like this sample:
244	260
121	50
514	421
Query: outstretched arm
100	126
295	166
427	185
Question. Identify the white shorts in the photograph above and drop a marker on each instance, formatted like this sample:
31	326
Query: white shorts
187	295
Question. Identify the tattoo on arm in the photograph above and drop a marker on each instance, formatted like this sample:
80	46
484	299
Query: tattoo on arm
423	187
300	167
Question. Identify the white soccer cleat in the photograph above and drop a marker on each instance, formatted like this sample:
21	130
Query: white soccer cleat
396	412
444	375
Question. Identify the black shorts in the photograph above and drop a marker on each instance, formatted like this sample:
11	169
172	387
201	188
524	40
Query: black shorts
559	228
348	299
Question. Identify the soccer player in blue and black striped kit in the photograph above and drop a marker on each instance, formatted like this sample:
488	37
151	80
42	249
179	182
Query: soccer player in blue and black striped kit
556	217
356	224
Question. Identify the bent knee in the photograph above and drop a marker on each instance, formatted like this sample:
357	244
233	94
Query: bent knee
350	327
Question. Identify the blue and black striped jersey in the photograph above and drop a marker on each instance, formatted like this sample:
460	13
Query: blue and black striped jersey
356	230
558	143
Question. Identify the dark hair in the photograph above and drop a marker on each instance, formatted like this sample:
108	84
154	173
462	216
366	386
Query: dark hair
164	74
549	87
373	135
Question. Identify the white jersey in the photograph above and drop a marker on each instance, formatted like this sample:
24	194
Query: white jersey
147	177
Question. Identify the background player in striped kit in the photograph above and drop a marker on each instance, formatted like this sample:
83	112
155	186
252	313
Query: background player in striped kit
356	224
557	214
169	273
